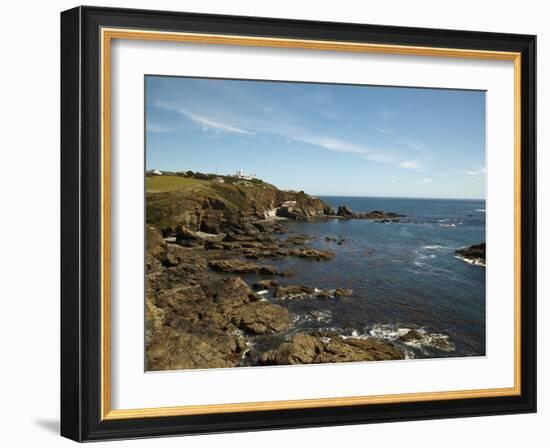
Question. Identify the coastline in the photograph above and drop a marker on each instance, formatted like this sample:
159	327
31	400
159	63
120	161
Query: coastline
219	294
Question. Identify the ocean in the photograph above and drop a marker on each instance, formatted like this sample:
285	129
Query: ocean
403	275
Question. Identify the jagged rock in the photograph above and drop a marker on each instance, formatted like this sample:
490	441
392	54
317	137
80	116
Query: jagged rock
262	318
309	349
309	252
293	290
242	267
264	284
205	317
343	292
345	212
169	349
411	335
213	245
155	244
475	254
355	349
184	234
298	239
154	317
302	292
301	349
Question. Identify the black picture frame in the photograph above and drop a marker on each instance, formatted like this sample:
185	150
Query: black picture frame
81	224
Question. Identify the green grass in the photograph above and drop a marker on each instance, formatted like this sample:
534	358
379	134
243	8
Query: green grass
158	184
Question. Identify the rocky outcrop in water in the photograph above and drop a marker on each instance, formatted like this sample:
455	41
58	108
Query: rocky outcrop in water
314	254
293	292
475	254
376	215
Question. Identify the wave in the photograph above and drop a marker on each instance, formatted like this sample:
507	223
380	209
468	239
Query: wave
474	262
323	316
433	247
481	210
418	338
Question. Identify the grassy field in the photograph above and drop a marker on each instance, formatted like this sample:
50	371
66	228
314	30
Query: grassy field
157	184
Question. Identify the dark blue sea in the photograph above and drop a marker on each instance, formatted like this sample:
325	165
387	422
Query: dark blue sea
403	275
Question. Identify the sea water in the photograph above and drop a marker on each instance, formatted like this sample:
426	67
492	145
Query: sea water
403	275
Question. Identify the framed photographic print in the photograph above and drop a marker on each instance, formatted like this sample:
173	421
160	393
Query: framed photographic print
273	223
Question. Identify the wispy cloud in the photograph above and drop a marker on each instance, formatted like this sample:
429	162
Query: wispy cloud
206	123
340	145
427	180
284	126
478	172
336	144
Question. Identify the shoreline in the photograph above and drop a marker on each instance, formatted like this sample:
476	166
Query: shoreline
236	260
214	299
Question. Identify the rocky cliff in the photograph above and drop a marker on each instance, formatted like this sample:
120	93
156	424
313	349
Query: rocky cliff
228	207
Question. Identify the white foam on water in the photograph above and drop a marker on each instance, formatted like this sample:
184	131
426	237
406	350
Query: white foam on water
426	340
433	247
474	262
324	316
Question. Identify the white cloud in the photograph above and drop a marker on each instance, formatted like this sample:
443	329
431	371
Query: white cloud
477	172
427	180
206	123
413	164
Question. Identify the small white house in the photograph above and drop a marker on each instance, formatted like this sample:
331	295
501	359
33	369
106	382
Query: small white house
218	180
157	173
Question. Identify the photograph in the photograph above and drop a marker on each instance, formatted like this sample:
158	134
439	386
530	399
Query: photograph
292	223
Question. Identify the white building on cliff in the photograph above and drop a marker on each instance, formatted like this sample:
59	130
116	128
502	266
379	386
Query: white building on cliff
240	174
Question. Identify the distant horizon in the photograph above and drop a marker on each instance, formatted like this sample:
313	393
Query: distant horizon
324	139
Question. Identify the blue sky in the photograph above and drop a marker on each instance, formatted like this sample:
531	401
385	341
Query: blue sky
325	139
